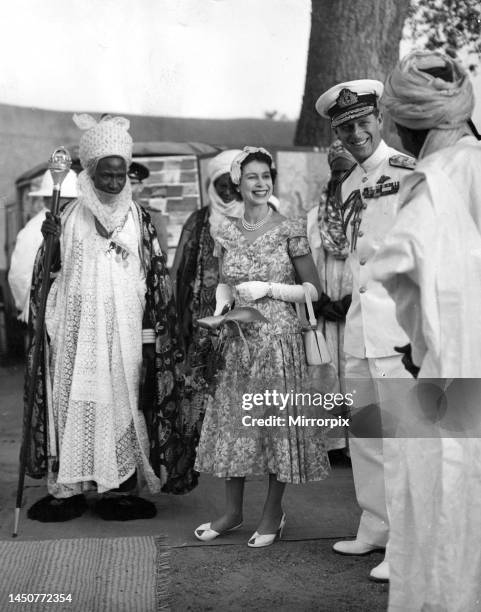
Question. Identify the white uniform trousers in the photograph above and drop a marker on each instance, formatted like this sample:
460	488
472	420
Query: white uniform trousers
374	459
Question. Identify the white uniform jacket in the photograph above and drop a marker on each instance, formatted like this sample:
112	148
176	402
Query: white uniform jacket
372	329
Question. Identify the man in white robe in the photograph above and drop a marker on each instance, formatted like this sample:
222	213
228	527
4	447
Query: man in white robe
431	265
110	311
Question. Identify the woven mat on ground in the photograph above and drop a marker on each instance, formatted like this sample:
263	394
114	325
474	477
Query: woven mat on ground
101	574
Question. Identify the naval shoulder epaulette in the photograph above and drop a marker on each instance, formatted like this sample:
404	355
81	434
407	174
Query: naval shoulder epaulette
402	161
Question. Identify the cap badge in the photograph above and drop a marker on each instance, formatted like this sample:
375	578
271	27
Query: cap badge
346	98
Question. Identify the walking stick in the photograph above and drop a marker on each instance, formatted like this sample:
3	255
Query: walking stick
59	165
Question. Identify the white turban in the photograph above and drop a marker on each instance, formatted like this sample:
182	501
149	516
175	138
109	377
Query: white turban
420	101
219	165
109	137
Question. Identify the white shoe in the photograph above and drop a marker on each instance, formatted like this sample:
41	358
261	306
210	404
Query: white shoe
259	541
354	547
380	573
206	534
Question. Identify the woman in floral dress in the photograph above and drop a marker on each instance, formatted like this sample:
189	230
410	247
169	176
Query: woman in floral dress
264	258
196	270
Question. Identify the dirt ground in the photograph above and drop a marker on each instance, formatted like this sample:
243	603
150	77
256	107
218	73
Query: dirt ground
288	576
300	573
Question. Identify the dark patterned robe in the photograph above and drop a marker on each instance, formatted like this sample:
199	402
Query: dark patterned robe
196	270
172	448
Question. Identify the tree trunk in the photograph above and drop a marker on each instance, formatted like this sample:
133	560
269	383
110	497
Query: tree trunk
350	39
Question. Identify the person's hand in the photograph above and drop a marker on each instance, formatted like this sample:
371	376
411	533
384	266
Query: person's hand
51	226
148	351
223	299
407	359
332	310
148	361
346	303
252	290
221	308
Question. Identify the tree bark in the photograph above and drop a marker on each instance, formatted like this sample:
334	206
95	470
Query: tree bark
350	39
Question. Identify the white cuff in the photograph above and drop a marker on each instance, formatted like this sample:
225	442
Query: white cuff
148	336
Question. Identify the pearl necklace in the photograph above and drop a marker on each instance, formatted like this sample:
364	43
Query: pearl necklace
255	226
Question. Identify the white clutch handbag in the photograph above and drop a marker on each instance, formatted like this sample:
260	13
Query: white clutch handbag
315	344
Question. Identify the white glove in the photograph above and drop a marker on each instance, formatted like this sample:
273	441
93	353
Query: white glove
223	297
252	290
293	293
255	290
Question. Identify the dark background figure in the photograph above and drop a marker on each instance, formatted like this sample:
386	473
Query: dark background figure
196	274
329	246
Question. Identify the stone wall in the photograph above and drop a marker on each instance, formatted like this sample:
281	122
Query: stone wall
171	193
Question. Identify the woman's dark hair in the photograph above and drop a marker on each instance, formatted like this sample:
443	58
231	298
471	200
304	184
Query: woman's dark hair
261	157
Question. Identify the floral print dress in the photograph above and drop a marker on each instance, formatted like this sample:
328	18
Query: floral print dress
267	356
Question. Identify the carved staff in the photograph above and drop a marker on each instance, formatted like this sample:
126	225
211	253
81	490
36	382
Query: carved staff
59	166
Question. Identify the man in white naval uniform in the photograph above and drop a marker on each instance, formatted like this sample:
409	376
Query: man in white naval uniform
369	193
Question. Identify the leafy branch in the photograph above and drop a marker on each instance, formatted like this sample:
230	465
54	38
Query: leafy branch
453	26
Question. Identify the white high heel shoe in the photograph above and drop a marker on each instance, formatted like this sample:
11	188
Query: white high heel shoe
259	541
205	533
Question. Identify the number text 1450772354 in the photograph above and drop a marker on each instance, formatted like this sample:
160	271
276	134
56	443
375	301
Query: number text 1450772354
39	597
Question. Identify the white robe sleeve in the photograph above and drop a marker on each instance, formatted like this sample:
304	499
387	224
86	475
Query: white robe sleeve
399	266
28	241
